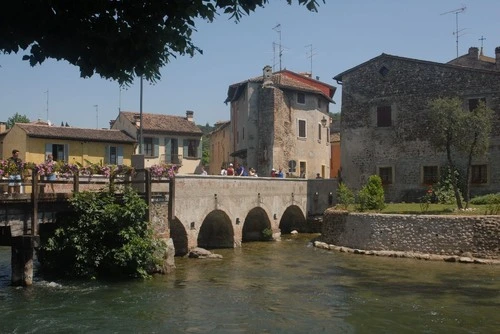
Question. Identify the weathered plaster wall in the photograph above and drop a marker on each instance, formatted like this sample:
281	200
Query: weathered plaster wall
442	235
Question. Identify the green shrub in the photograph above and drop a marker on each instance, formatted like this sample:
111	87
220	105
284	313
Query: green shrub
444	188
486	199
103	237
345	196
267	234
371	196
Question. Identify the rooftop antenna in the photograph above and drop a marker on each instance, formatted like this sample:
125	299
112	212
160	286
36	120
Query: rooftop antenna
310	55
96	106
47	109
120	98
277	28
456	12
482	39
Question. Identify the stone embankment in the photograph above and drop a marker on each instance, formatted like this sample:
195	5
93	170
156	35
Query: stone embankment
464	239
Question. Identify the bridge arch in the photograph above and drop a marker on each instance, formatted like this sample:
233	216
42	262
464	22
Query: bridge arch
216	231
255	222
179	237
292	219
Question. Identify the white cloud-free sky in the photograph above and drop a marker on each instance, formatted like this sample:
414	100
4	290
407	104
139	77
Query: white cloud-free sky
342	34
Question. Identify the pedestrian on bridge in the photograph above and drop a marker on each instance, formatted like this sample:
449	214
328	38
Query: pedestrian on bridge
15	170
230	170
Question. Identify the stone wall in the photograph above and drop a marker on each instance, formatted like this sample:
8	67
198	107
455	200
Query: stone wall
407	86
476	236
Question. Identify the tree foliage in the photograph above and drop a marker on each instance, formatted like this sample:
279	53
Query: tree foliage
16	118
103	238
371	196
460	131
345	196
116	39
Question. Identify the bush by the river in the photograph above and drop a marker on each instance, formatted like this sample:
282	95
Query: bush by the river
371	196
104	237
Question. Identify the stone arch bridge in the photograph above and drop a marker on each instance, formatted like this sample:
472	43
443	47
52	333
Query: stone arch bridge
222	212
205	211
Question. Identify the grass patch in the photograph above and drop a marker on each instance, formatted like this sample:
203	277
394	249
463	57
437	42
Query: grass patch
433	209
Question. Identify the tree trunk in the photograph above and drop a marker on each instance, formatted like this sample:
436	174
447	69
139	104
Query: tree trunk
453	176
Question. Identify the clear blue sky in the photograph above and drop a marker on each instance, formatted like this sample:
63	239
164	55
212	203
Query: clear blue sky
343	34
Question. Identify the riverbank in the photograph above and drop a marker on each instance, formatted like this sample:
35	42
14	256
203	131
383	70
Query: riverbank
408	255
450	238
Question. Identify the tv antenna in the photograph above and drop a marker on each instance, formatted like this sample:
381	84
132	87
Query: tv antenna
47	107
277	28
457	31
310	55
482	39
96	106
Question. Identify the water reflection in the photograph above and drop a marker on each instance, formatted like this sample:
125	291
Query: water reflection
273	287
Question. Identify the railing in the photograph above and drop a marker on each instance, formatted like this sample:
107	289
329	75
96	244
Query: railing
147	186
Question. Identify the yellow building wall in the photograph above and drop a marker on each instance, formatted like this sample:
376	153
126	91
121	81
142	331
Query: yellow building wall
33	149
15	139
79	152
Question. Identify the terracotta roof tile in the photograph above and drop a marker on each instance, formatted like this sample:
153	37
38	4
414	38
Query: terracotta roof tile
164	123
282	80
71	133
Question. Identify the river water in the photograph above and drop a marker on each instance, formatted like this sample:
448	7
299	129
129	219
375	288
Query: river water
265	287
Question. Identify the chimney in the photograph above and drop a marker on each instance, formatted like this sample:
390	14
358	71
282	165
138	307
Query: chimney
474	53
137	120
267	74
189	115
497	57
3	127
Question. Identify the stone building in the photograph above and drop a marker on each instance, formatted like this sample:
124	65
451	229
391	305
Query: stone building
384	120
281	120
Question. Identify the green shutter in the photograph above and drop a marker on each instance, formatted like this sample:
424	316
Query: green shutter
66	152
156	144
106	154
119	155
168	150
48	150
185	143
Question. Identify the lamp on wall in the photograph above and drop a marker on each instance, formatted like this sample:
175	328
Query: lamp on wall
323	121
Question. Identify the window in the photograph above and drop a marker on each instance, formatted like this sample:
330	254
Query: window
148	147
301	98
303	169
60	152
292	166
479	174
319	103
474	103
384	117
192	148
302	128
385	174
114	155
430	174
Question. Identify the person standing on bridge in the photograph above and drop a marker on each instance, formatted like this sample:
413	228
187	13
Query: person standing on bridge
230	170
15	170
50	165
240	170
